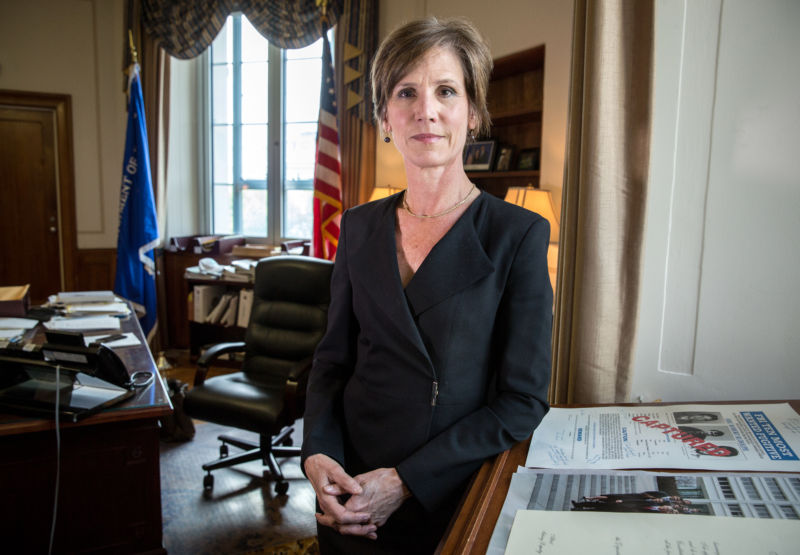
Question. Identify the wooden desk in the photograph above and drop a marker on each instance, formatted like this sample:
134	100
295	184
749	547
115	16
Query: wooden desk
473	524
109	496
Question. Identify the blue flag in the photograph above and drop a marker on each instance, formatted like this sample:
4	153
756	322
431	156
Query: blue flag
138	227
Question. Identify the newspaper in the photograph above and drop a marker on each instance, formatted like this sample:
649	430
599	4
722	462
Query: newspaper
749	495
747	437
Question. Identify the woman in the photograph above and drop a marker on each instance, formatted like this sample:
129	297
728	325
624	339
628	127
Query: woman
437	353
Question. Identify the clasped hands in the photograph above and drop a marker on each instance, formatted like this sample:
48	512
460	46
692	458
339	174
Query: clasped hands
354	505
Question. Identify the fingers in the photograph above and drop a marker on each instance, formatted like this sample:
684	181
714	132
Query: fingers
324	472
367	530
341	483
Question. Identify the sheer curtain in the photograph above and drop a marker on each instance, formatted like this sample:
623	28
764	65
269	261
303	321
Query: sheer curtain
603	202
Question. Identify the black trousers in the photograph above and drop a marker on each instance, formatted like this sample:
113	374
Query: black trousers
409	531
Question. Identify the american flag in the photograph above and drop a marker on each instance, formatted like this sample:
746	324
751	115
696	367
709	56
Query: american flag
327	173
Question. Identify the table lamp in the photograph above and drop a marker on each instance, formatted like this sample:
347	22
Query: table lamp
536	200
383	191
541	202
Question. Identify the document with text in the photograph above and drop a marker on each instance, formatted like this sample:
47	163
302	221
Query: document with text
702	494
554	533
745	437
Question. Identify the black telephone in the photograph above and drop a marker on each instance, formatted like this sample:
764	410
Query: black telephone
69	350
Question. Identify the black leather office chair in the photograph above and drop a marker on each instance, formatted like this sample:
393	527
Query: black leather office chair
290	308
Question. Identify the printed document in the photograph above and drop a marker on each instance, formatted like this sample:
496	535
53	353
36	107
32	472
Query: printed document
559	533
703	494
747	437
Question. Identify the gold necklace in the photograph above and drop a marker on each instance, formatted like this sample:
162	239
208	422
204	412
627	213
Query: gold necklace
438	214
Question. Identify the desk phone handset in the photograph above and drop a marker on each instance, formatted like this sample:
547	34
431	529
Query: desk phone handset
69	350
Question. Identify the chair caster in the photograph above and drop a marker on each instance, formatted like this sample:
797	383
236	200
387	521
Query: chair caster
281	488
288	442
223	451
208	482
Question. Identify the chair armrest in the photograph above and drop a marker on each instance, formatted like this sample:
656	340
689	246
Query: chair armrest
296	383
301	370
211	354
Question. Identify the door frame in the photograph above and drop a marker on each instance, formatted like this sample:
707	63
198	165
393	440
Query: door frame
60	107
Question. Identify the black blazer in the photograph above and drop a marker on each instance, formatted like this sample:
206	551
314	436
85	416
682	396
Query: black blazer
434	379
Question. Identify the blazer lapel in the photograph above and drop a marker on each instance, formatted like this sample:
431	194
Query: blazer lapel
456	262
374	265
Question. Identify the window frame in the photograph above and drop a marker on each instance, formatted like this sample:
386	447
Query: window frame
274	184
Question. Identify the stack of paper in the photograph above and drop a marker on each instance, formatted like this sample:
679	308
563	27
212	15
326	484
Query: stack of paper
80	323
573	481
14	327
79	297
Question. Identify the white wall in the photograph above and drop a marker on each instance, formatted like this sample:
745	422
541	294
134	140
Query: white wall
720	310
509	26
75	47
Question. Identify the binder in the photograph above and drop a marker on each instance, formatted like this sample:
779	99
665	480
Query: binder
205	297
229	317
245	306
216	313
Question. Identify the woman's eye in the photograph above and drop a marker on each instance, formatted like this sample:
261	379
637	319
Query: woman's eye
447	92
405	93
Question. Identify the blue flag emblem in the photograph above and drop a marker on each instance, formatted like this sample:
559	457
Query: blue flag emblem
138	226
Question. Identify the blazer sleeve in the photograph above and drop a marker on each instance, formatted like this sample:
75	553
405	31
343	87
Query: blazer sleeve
334	359
521	344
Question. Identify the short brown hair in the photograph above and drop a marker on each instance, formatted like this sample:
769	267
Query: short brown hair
405	46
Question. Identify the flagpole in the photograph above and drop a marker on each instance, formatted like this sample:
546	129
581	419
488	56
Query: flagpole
134	54
138	234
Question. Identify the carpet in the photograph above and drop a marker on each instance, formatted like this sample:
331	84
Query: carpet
243	514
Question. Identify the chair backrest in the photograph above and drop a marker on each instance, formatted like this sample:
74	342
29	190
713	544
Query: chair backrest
291	295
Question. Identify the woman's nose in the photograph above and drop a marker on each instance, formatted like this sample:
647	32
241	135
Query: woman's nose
425	107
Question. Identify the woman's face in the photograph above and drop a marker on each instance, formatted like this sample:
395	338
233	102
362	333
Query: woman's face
428	112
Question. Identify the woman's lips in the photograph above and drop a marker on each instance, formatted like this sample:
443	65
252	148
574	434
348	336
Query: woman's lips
427	137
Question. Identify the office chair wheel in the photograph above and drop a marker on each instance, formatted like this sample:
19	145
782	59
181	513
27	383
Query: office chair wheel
288	442
223	451
208	482
281	488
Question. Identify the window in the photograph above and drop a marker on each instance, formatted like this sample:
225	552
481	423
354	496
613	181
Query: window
264	107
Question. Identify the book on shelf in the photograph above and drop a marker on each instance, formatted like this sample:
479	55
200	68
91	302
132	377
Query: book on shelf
205	297
218	311
229	317
232	273
245	307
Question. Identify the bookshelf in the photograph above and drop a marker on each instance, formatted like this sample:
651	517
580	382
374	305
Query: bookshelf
515	100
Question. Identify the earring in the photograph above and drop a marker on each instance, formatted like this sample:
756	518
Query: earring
471	134
386	139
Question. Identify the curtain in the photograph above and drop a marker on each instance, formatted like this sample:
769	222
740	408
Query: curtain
603	203
185	28
356	41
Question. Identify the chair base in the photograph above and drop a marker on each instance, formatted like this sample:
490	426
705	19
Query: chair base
267	450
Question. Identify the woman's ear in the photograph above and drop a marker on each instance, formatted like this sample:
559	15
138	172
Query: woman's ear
473	121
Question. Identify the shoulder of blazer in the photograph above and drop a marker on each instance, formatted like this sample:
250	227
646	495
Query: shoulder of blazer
498	221
366	218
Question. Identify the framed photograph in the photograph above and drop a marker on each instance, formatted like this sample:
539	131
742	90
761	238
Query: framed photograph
504	155
528	159
479	155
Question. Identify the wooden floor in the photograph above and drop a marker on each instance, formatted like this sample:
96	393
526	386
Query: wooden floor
243	513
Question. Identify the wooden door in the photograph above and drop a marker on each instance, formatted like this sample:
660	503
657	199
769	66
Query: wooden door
37	208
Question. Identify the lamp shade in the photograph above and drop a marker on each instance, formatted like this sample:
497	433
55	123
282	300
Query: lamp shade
536	200
381	192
